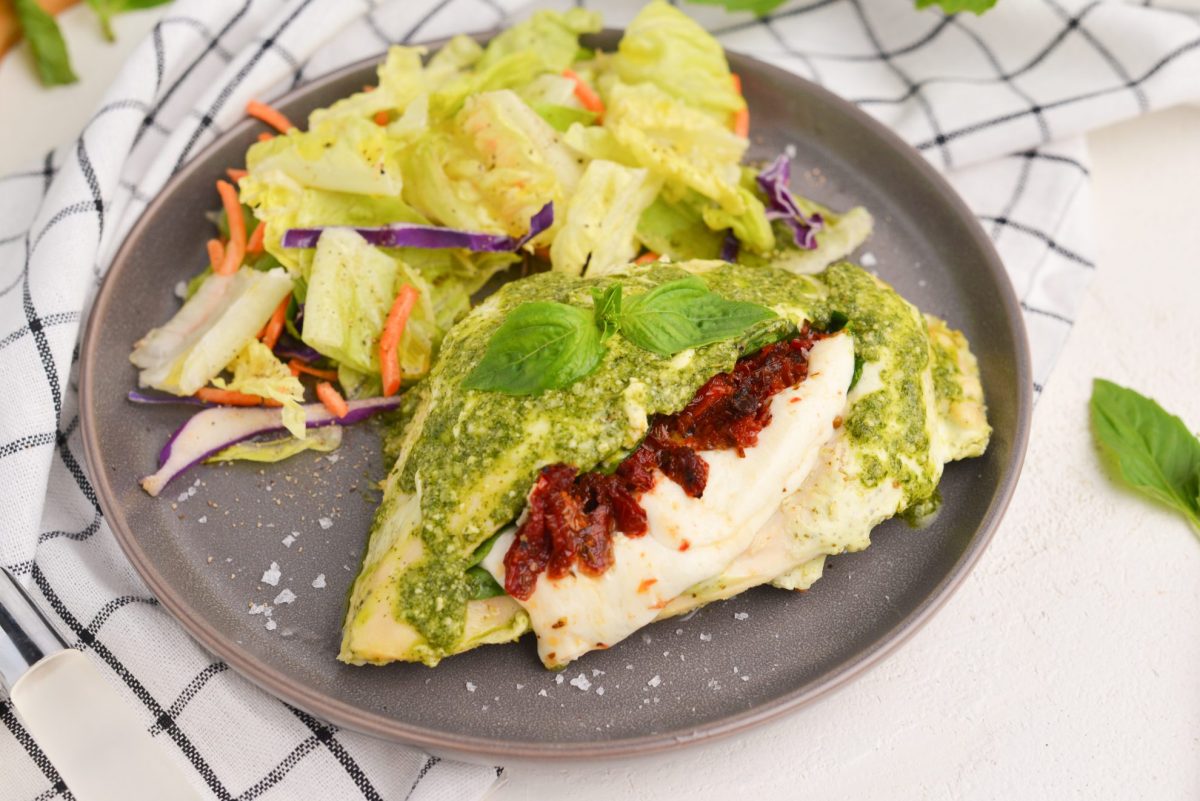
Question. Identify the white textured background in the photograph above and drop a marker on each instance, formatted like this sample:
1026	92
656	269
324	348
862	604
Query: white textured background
1067	666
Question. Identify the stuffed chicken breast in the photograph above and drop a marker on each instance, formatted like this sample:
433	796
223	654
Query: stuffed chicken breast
657	479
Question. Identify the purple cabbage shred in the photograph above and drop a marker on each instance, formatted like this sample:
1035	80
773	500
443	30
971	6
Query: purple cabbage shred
782	205
411	235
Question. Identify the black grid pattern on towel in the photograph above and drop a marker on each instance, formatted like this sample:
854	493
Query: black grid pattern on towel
1024	193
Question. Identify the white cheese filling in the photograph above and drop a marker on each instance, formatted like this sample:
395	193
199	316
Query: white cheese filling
691	539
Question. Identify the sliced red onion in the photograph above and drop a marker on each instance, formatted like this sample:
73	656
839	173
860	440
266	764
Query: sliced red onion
730	247
215	429
289	348
411	235
137	396
782	205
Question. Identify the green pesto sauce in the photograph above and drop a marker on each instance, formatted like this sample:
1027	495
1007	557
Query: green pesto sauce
946	382
478	453
888	424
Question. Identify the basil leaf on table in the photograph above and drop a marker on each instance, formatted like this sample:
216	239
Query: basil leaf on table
685	314
46	41
540	346
1149	448
107	9
763	7
955	6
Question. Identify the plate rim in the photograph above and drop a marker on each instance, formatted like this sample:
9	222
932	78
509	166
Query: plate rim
488	749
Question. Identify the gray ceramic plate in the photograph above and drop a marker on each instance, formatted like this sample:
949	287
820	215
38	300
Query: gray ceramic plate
682	680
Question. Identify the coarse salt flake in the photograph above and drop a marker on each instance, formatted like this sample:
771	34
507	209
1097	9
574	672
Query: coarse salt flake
869	260
271	575
581	681
285	596
705	637
288	540
271	624
470	687
740	615
654	682
319	581
325	523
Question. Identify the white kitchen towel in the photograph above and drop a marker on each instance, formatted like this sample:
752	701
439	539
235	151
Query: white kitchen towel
997	102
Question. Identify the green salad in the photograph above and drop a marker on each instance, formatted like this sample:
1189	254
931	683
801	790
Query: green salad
345	249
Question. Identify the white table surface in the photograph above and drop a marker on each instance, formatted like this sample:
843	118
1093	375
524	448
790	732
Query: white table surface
1067	665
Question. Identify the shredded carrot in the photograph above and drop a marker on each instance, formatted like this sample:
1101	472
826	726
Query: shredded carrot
297	367
389	341
255	245
368	88
229	397
236	249
265	137
216	253
236	175
332	399
542	252
269	115
741	117
646	584
274	326
647	257
382	118
586	95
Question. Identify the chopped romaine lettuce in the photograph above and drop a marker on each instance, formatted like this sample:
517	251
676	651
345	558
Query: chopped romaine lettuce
343	153
665	47
225	313
401	81
598	233
561	118
350	290
256	371
552	36
277	449
685	146
677	229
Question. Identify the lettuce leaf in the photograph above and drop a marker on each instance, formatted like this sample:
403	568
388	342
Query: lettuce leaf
256	371
667	48
601	221
677	229
225	313
553	36
685	146
341	154
351	288
402	80
491	169
324	439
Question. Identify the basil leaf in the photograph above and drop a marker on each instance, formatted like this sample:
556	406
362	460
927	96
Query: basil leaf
539	346
955	6
686	314
1149	448
46	41
763	7
107	9
481	585
607	310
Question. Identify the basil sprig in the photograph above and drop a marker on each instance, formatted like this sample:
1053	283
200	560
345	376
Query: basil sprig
543	345
1149	448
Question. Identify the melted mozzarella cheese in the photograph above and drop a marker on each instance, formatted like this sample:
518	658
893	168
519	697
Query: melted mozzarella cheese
691	539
